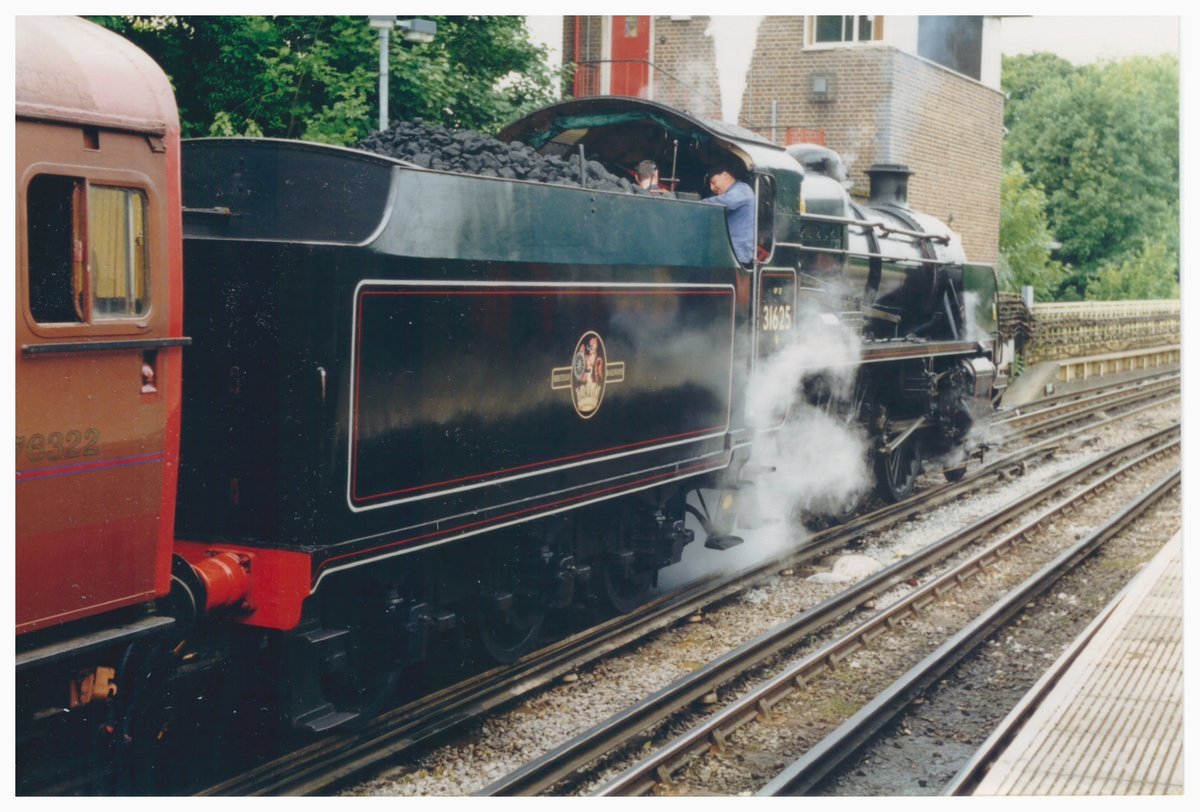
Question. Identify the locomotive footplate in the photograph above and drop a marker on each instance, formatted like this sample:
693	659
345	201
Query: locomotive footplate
895	350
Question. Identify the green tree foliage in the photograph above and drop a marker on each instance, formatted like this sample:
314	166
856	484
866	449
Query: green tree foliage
316	78
1025	237
1023	77
1149	273
1102	142
479	73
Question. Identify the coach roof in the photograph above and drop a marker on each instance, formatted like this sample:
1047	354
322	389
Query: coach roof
122	88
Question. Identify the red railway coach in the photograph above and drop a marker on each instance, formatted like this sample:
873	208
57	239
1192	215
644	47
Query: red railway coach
98	346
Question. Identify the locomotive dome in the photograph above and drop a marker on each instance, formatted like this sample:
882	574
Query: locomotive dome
819	160
69	69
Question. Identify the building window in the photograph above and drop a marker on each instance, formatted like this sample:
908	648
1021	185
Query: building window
87	251
955	42
829	30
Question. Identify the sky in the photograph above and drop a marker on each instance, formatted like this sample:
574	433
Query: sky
1084	39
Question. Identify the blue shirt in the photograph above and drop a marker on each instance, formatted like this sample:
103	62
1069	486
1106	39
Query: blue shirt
739	217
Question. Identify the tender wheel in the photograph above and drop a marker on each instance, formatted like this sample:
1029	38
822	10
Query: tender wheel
359	672
623	585
510	634
364	687
897	472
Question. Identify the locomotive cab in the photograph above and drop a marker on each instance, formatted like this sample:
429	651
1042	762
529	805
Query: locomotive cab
620	132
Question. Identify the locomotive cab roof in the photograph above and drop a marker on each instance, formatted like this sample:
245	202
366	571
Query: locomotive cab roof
621	131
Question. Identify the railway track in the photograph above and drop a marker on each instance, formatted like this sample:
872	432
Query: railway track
332	761
543	773
834	751
1054	412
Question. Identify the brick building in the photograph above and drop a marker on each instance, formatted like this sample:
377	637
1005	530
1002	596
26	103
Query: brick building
920	91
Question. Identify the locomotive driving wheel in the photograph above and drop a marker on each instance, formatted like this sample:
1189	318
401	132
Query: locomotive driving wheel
898	471
847	507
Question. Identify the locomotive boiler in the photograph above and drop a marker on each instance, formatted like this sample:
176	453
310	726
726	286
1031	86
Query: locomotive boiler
326	419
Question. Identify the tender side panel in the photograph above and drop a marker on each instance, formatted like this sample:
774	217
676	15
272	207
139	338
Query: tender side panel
457	386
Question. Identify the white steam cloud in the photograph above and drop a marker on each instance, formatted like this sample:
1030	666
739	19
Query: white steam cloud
733	39
819	454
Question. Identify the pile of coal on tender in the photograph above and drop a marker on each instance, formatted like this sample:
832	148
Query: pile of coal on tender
435	147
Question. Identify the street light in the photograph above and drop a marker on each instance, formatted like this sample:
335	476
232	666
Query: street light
418	30
412	31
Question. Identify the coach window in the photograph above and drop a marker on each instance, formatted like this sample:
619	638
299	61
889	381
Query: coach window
87	251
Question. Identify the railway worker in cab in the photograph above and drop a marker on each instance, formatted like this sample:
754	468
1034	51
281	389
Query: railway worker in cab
647	178
738	200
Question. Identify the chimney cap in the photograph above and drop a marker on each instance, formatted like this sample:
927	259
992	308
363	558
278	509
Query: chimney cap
893	169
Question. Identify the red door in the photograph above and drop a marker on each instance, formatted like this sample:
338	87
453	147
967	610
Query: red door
630	56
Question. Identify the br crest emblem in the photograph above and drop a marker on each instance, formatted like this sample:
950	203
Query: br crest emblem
589	374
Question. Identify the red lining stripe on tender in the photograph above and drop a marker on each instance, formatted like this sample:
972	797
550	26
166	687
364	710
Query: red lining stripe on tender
470	525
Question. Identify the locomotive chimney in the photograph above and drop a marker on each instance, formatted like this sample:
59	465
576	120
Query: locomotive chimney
889	185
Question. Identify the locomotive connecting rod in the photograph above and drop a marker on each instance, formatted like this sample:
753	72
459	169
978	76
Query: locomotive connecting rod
904	435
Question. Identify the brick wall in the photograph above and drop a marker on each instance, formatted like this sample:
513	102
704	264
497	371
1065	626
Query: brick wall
883	105
685	71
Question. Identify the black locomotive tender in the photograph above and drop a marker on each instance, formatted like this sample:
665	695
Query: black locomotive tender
434	402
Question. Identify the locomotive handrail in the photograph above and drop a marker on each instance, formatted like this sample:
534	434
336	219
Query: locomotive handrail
886	229
885	257
938	238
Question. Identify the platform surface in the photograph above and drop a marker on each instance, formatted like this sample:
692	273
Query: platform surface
1113	725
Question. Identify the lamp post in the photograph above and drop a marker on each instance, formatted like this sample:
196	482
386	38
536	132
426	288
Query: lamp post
413	31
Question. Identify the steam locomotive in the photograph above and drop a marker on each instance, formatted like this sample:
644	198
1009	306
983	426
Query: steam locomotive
315	416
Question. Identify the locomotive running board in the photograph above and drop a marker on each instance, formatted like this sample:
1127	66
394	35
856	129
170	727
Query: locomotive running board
897	349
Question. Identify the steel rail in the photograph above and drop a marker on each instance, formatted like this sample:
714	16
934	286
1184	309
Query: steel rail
803	774
602	738
1054	416
1076	396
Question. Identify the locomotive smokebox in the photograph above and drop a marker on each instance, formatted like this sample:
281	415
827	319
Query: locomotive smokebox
889	185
